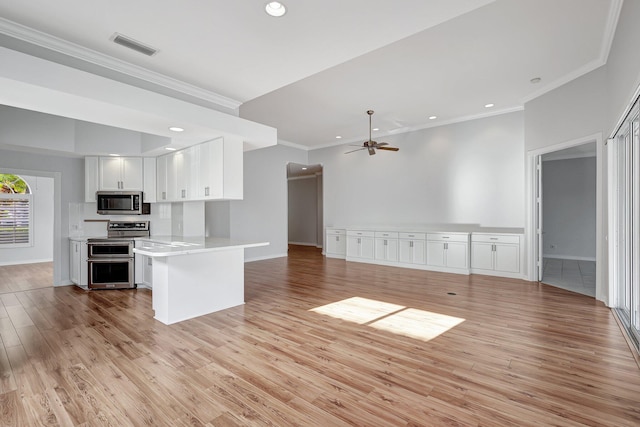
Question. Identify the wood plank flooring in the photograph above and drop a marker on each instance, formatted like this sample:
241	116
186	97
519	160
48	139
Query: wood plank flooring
499	352
24	277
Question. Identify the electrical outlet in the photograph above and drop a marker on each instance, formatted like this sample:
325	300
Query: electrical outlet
552	246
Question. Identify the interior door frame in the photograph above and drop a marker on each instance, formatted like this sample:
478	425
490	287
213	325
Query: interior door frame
532	249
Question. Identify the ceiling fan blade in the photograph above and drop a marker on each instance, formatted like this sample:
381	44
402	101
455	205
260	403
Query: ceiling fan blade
389	148
371	151
353	151
382	143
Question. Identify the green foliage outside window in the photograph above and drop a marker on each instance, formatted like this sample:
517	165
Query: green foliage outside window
12	184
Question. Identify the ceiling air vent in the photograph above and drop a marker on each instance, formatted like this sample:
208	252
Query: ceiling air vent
134	45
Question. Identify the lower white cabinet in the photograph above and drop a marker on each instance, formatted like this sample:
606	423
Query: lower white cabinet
360	244
78	263
448	251
412	248
496	254
336	243
386	246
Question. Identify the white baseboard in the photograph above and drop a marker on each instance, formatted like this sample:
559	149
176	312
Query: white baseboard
30	261
569	257
262	258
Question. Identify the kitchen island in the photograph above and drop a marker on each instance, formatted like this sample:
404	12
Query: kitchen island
194	276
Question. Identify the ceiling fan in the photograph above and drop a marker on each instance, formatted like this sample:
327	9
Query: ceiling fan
371	145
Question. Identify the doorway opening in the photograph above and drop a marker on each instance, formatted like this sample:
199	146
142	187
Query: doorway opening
305	205
564	226
569	218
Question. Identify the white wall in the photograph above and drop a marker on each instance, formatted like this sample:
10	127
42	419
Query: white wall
465	173
569	208
68	174
42	190
217	219
303	210
262	214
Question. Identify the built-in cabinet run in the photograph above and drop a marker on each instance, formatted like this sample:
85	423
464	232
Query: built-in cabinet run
495	254
117	174
78	262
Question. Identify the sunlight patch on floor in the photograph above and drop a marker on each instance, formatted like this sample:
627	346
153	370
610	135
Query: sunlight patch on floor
358	310
410	322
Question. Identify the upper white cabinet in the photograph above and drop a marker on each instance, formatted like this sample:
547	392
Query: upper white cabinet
336	243
121	173
113	174
496	254
208	171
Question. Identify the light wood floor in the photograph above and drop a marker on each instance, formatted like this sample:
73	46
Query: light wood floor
525	354
24	277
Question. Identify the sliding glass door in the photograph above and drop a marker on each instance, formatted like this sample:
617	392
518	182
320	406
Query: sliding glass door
625	214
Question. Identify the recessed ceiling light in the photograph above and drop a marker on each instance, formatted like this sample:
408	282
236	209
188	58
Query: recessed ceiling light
535	80
170	148
488	105
275	8
176	129
433	117
114	155
304	169
376	129
338	137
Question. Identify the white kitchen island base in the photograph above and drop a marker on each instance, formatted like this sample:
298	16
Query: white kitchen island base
194	280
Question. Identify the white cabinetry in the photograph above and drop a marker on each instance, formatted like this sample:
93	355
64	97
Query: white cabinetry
78	262
448	252
120	173
336	243
412	248
496	254
360	245
386	246
149	180
144	270
208	171
117	174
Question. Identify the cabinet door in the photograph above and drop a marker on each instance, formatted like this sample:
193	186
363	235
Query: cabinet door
75	258
336	244
418	252
210	182
149	185
131	174
482	255
109	173
381	249
91	170
405	251
392	250
147	271
457	255
367	247
507	258
161	179
176	181
435	254
353	246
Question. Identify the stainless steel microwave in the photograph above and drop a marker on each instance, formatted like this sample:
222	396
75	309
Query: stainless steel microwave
119	202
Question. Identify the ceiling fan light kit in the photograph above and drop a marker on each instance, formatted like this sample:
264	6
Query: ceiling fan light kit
372	145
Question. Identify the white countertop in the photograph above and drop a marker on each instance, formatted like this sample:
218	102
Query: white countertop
434	228
162	246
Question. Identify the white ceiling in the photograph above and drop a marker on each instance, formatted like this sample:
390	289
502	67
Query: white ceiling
314	72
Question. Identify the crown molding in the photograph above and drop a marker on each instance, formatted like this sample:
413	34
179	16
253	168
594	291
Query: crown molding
47	41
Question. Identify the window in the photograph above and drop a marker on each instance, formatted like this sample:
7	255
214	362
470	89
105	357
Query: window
15	212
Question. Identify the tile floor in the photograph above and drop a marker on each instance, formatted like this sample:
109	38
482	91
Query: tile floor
576	276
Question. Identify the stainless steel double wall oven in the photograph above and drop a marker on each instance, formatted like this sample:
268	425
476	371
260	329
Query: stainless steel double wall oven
111	262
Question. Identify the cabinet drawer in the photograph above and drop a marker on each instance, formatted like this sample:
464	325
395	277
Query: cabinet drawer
386	234
413	236
336	231
357	233
496	238
448	237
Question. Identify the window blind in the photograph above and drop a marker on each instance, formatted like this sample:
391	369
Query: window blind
15	219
